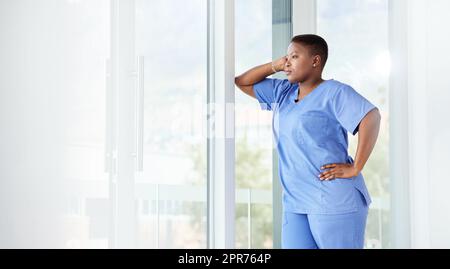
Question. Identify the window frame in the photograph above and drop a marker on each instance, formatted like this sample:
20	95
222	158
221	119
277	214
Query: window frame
220	125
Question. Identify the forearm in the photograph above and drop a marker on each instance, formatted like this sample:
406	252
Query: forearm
255	75
367	137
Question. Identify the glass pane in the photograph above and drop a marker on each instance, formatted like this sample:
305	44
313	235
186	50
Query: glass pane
171	190
54	188
253	129
87	224
357	35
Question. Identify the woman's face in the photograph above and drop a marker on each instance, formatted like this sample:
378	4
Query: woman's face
299	64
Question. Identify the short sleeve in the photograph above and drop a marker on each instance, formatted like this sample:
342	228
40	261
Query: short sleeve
268	91
350	108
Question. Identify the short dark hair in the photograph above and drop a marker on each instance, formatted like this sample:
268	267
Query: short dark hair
316	44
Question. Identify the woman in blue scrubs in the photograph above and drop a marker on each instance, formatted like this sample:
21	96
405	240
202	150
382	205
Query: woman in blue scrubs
325	199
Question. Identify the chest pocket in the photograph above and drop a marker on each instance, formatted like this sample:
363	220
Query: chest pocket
313	129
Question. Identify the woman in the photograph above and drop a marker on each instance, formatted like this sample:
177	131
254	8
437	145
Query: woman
325	199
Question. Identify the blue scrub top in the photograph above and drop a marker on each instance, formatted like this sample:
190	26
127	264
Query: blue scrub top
310	134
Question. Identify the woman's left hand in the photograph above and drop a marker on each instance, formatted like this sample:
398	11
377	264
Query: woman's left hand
338	170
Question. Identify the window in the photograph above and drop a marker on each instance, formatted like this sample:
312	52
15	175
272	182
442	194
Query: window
253	22
114	120
171	188
55	188
357	35
87	222
263	29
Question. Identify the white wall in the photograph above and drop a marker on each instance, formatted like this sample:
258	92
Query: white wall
429	125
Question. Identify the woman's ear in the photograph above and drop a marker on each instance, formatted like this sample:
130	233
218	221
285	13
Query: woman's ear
317	61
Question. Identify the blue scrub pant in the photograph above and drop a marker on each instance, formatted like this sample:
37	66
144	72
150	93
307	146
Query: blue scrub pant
312	231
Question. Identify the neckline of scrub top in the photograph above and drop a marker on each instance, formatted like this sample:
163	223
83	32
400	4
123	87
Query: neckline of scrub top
297	88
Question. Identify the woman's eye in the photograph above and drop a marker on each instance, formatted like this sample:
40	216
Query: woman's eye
295	56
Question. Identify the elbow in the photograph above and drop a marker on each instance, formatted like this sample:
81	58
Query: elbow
237	81
372	118
241	81
377	115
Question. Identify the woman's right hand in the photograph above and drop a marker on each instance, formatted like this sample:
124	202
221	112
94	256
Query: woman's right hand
279	64
249	78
